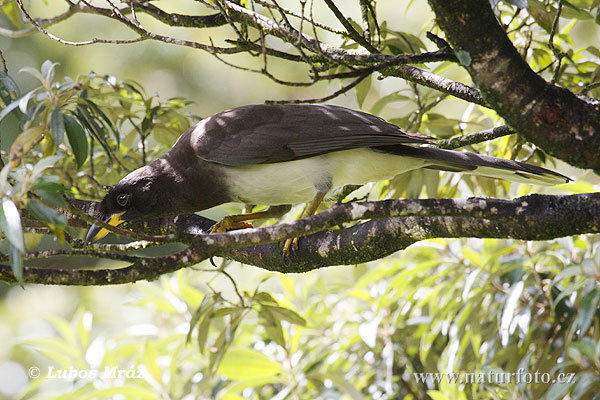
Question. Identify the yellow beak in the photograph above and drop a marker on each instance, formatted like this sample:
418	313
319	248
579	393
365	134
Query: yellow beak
97	232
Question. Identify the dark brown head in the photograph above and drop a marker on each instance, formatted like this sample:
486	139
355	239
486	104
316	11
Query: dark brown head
144	193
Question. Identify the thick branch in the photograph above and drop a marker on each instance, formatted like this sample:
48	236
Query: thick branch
564	125
395	224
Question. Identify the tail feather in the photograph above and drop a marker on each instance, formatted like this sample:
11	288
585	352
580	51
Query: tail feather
478	164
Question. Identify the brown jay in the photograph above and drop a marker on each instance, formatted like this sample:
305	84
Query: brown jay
278	155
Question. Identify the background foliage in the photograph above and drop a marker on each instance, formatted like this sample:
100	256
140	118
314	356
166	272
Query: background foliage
236	332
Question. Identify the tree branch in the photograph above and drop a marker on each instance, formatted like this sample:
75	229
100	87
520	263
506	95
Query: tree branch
393	225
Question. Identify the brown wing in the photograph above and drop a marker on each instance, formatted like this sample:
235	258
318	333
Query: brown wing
258	134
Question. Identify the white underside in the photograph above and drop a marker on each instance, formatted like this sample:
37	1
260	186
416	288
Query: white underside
298	181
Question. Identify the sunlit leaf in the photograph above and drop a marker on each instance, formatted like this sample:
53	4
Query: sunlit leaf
362	90
23	143
286	314
150	357
7	110
12	13
247	364
10	220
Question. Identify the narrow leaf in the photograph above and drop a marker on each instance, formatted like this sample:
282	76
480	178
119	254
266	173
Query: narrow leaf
34	72
5	111
46	214
509	311
23	143
9	83
16	264
10	220
57	126
77	139
362	89
587	308
287	315
12	13
48	70
247	364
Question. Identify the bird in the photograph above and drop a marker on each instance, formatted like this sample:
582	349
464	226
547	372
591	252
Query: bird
282	155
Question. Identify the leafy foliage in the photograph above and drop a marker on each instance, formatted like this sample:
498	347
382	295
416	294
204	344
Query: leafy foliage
463	306
55	138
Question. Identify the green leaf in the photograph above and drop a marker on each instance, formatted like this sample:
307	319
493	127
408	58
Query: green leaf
272	326
51	198
247	364
518	3
384	101
587	308
585	382
510	307
46	214
33	72
206	307
43	164
10	220
6	110
345	386
57	126
48	70
12	13
49	186
362	89
16	264
287	315
264	298
150	357
77	139
203	328
557	391
10	85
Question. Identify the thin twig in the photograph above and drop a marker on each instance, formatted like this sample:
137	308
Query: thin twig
71	43
473	138
4	68
300	16
323	99
349	28
557	53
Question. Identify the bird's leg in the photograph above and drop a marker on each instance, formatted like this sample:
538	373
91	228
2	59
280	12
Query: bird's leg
309	210
237	221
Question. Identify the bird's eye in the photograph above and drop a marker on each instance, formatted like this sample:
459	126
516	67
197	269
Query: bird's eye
122	199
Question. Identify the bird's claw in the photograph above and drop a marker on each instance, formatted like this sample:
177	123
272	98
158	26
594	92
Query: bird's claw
228	224
290	244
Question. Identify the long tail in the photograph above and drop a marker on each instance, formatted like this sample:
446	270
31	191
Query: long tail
477	164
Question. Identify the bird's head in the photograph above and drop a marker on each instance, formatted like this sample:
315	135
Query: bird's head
131	199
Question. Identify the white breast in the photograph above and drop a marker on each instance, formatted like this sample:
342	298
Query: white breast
294	182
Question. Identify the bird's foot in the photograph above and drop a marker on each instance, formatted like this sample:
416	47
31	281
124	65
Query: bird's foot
228	224
290	244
